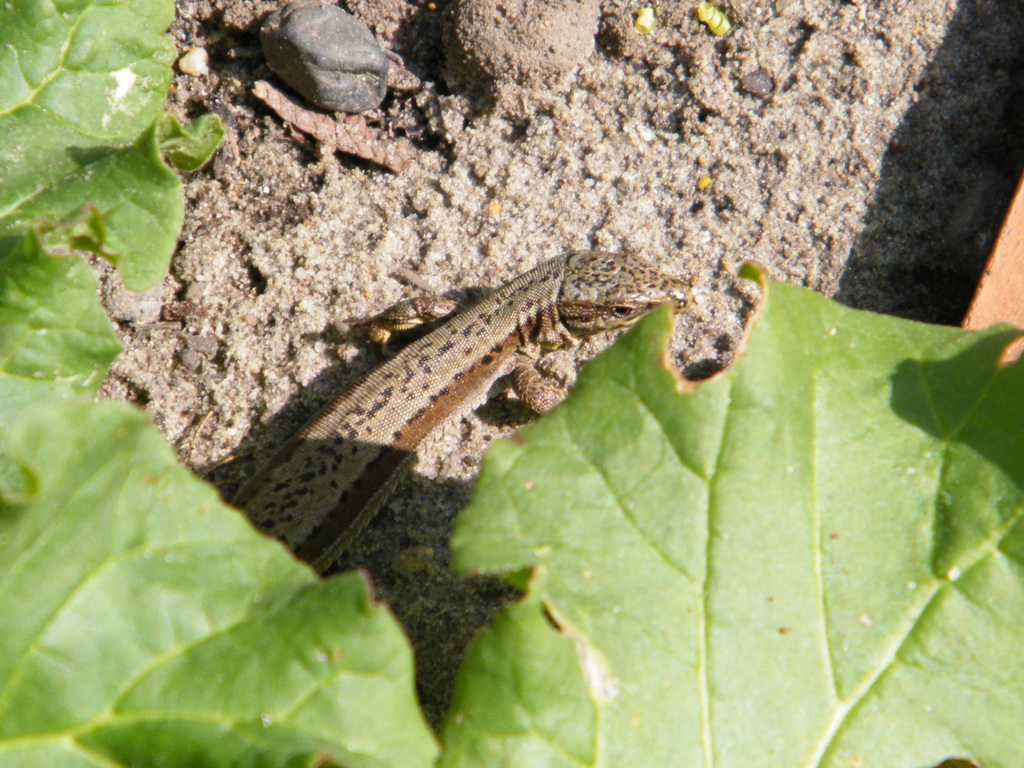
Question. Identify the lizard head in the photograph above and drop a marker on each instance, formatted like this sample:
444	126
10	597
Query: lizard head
611	290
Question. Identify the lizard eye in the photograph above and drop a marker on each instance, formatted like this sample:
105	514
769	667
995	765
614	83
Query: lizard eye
622	311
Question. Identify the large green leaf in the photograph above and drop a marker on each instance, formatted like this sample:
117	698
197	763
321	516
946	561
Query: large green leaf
82	88
147	624
814	559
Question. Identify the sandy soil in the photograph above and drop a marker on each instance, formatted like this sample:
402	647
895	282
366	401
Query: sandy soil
876	170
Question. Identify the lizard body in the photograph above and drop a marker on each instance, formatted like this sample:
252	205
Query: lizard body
320	488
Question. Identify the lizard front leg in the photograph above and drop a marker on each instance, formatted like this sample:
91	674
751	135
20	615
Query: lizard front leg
409	314
551	331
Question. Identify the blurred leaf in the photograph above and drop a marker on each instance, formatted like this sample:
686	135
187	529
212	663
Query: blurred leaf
55	339
147	624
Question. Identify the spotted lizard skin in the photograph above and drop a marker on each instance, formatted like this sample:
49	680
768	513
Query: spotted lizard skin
319	490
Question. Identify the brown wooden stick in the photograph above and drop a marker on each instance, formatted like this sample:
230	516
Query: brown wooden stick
1000	294
350	134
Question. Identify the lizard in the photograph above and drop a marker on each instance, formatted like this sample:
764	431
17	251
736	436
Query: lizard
320	489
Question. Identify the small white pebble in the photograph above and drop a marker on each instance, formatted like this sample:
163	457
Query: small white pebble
195	62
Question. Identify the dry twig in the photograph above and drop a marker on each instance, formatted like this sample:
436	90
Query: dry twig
350	134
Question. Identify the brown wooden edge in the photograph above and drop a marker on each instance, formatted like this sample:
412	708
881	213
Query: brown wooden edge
999	297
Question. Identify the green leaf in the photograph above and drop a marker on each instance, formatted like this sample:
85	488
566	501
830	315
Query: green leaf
548	721
82	86
55	338
188	148
75	79
147	624
139	196
813	559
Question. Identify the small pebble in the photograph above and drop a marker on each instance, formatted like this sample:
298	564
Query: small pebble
190	360
194	292
195	62
204	345
327	55
414	561
135	306
757	83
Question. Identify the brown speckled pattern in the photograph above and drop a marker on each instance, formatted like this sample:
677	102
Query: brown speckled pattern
322	487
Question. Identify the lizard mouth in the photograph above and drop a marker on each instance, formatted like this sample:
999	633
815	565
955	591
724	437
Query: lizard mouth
593	318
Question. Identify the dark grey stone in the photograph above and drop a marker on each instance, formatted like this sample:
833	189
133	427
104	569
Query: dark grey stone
327	55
